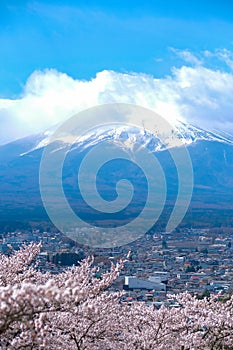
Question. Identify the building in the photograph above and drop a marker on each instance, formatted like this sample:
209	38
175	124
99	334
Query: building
133	283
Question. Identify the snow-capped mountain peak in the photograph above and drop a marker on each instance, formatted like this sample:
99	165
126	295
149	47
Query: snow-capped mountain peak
128	136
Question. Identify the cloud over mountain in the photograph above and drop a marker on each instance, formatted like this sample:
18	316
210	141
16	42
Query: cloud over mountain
197	93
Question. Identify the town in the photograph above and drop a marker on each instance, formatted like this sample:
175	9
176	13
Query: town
156	266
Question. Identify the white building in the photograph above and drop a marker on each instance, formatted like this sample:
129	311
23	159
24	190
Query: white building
132	282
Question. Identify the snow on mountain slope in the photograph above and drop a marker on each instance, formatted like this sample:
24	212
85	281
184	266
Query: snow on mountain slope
128	136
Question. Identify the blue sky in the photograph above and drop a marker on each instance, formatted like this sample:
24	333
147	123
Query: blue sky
82	38
60	57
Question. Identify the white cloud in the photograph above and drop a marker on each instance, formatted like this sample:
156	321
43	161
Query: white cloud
226	56
187	56
197	94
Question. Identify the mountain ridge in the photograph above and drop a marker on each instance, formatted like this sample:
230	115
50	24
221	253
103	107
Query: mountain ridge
129	135
211	155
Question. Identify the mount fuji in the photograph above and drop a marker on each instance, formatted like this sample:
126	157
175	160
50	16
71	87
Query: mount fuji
211	155
127	135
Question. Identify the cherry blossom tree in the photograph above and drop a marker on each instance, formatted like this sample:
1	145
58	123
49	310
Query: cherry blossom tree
195	324
69	310
76	310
